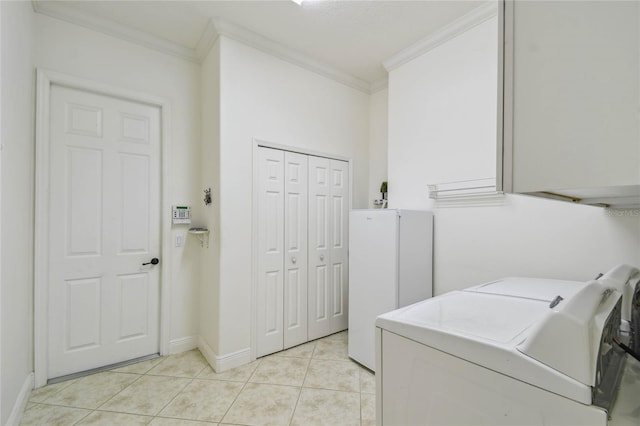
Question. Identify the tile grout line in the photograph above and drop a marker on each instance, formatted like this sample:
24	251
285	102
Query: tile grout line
179	392
146	373
70	382
295	407
244	385
172	399
113	396
120	391
91	410
87	415
67	406
140	376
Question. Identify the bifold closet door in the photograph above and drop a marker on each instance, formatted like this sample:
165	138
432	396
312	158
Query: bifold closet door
328	246
270	288
282	244
295	243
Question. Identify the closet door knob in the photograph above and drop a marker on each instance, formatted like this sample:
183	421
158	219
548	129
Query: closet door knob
322	257
293	260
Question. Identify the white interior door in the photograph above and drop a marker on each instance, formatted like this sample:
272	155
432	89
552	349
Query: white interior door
319	247
269	303
339	245
295	258
282	244
328	246
302	284
104	222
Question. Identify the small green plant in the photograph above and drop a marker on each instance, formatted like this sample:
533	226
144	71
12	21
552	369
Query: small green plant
383	187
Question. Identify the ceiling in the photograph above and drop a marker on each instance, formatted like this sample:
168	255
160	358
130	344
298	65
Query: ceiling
353	37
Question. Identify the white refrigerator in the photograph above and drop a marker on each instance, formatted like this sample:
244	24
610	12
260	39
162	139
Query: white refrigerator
390	266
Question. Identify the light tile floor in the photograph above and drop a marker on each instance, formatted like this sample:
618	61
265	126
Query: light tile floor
312	384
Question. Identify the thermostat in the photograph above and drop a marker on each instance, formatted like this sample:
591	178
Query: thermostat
181	215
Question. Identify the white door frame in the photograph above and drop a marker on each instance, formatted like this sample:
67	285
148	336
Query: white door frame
45	79
257	143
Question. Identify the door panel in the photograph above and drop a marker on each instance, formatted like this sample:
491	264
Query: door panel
83	120
133	316
339	245
322	284
273	316
319	244
84	222
338	286
83	312
104	222
134	128
295	259
321	220
269	303
134	229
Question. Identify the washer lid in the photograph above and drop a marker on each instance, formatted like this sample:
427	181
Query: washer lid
479	317
498	311
532	288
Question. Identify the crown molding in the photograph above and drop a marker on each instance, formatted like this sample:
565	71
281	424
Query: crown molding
215	28
379	85
245	36
466	22
60	11
207	39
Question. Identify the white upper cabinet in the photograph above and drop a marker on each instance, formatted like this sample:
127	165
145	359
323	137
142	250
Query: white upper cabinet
572	96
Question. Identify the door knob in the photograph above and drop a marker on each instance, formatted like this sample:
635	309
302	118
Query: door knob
154	261
294	260
321	257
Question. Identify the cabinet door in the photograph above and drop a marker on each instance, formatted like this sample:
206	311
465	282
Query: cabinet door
339	240
269	303
295	245
319	302
576	93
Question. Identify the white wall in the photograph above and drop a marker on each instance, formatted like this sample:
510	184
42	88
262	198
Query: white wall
531	237
443	106
16	291
521	235
378	128
75	50
269	99
210	163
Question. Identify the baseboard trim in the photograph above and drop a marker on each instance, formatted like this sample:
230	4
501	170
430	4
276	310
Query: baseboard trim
233	360
21	403
183	344
224	362
207	352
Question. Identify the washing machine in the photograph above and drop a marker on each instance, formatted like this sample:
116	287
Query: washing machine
516	351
